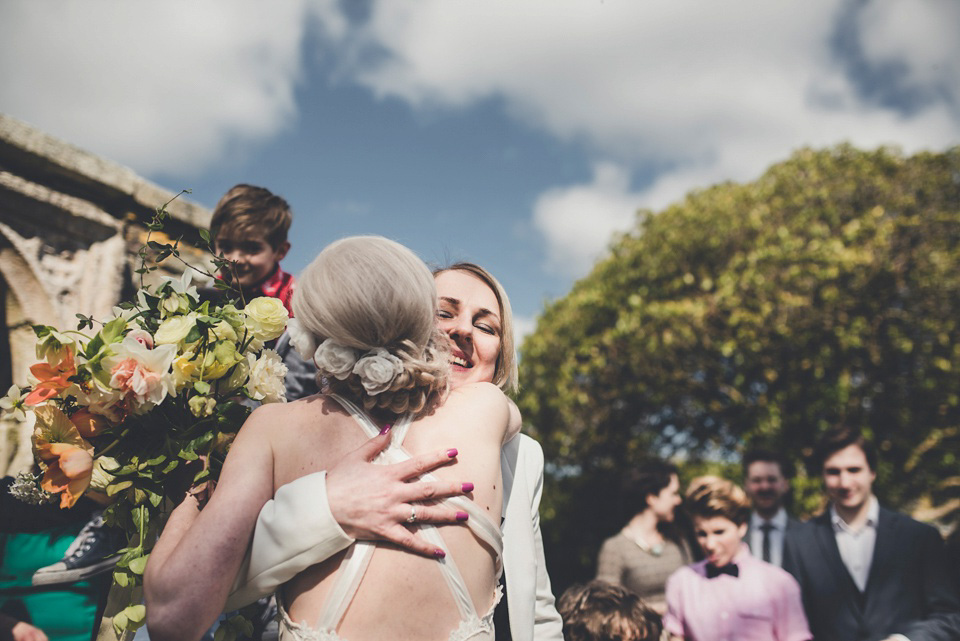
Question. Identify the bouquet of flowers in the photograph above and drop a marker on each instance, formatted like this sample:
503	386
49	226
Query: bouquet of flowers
138	411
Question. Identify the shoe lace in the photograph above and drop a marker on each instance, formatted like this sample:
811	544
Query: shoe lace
86	538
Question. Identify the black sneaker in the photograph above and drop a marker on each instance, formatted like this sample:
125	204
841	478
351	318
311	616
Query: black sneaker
93	552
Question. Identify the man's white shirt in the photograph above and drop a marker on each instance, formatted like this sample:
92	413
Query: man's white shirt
777	532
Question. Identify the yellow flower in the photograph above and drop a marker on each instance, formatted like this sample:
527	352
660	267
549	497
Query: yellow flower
212	364
222	331
266	317
175	329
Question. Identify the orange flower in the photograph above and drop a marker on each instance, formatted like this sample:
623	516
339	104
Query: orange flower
52	379
66	458
69	469
88	423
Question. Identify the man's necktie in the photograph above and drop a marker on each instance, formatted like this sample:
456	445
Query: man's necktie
765	528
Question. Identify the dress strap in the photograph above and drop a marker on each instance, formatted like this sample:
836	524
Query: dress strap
345	586
450	572
398	432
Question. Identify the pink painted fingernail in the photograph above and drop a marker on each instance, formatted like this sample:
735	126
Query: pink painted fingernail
467	487
439	553
386	428
452	452
462	516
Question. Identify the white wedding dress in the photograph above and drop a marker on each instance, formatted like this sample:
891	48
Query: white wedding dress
473	626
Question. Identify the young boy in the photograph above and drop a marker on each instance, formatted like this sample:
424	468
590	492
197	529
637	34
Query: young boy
730	594
249	227
600	611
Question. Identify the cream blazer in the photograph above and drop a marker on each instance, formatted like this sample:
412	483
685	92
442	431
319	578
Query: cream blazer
296	529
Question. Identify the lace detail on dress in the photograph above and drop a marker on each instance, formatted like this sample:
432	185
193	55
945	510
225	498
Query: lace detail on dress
290	631
478	628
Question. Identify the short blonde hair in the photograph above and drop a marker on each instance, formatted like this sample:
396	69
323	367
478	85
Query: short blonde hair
712	496
505	374
366	292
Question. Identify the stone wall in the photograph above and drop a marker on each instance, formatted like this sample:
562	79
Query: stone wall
71	225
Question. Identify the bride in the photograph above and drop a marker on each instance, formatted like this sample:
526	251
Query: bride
370	304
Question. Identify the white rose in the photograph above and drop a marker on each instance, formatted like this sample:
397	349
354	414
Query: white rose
335	359
266	317
302	339
377	370
175	329
266	377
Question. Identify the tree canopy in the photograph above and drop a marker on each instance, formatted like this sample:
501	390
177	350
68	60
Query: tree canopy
826	292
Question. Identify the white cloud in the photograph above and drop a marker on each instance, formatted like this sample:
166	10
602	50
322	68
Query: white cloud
162	86
578	221
703	91
523	326
921	37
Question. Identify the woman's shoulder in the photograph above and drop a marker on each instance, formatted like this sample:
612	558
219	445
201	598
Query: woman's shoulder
267	417
482	396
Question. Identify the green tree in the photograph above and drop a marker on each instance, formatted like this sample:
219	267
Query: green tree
826	292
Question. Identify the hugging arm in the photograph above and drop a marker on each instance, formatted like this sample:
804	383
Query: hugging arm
320	514
199	552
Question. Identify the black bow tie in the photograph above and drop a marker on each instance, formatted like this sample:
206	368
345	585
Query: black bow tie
730	568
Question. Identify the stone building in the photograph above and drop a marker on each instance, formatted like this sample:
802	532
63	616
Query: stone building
71	227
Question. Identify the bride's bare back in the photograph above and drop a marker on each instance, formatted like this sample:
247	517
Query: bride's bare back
402	595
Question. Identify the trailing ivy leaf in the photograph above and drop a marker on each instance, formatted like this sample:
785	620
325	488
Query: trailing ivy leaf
139	564
115	488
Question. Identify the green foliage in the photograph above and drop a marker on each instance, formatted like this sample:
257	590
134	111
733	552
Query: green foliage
826	292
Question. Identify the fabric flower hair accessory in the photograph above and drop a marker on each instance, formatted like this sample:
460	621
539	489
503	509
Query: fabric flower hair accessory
377	370
302	339
335	359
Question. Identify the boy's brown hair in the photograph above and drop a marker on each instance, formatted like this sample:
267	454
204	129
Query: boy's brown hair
600	611
711	496
247	211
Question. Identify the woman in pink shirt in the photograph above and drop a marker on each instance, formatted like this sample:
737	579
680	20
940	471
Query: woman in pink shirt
730	595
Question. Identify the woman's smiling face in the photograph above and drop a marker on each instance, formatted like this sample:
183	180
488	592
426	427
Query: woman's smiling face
469	314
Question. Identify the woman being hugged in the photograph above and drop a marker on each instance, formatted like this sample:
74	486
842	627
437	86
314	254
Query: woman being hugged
369	306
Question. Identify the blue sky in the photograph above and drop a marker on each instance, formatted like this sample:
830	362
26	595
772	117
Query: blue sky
519	135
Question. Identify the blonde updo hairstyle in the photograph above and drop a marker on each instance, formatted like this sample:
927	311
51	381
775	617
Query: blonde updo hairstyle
368	292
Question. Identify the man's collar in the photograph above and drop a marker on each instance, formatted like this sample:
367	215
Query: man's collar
779	520
873	516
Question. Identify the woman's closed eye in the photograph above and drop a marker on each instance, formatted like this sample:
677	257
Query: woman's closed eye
487	328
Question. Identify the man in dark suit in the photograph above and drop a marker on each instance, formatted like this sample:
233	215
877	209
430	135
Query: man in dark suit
868	573
766	479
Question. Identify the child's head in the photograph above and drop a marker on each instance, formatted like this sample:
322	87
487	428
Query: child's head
249	226
600	611
720	510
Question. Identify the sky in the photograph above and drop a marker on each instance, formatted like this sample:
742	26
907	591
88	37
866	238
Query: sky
517	134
